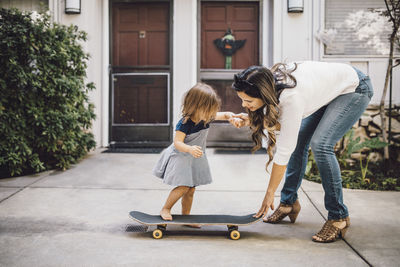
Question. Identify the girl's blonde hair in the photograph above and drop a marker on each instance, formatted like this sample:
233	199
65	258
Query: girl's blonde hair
201	98
266	84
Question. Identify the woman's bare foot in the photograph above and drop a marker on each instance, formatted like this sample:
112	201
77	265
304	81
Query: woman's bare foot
166	214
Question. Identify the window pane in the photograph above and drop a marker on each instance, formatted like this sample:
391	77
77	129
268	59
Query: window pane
140	99
348	30
229	99
27	5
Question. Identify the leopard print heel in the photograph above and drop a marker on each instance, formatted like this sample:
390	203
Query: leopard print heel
279	215
332	230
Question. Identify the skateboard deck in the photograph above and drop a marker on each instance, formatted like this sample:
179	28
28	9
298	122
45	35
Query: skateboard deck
231	221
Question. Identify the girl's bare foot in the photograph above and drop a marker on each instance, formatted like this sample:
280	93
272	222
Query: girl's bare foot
166	214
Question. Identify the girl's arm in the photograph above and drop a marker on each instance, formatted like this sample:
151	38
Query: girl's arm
231	117
195	151
224	116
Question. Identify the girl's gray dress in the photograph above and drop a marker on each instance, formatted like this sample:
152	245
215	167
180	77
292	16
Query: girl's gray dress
182	169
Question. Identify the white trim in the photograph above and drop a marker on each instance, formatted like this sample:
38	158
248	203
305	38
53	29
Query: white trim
54	7
194	39
321	27
366	57
265	27
184	59
105	96
277	32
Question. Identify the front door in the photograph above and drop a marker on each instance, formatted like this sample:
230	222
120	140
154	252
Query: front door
220	20
141	74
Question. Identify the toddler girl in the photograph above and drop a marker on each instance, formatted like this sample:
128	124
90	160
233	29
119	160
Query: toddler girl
184	163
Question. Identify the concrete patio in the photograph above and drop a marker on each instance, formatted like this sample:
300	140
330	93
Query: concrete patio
80	218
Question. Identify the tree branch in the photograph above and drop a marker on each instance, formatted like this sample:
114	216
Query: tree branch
389	10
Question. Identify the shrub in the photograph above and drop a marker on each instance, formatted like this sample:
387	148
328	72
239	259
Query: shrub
44	110
368	175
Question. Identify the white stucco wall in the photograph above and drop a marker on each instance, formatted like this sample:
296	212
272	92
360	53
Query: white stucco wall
184	51
292	33
91	21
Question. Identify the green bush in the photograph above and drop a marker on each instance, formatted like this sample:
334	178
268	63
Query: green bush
44	110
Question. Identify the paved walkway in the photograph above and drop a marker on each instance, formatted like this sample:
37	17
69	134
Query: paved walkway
80	218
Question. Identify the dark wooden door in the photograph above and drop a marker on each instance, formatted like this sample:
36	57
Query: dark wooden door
140	107
242	19
141	34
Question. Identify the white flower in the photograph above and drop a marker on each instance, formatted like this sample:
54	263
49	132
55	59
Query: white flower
326	36
33	65
368	26
35	15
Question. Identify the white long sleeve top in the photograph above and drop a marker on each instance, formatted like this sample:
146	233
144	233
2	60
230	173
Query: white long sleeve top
318	83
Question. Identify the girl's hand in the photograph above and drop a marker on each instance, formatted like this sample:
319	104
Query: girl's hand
196	151
244	117
267	203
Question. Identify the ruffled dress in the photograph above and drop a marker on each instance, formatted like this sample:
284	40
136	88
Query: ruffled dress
180	168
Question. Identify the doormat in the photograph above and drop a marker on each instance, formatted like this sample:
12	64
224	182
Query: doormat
134	228
238	151
149	150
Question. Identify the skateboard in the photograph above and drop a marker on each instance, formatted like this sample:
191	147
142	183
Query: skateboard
231	221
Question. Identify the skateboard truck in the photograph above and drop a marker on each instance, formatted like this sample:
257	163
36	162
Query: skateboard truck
233	231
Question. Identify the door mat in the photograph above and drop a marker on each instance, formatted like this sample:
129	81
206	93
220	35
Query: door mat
149	150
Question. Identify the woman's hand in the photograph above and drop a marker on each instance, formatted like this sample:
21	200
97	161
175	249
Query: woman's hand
196	151
238	123
244	117
267	203
274	181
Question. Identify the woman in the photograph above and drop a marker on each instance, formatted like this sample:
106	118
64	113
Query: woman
291	108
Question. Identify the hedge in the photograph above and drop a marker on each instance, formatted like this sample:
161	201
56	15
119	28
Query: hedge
45	112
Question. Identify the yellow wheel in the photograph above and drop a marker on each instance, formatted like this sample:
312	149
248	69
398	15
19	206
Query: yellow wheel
157	234
234	235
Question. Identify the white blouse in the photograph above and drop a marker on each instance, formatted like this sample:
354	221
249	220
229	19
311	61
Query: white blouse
318	83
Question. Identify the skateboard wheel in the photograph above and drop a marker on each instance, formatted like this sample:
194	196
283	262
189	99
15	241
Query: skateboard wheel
157	234
234	235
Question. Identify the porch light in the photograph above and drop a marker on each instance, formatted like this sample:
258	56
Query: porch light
73	6
295	6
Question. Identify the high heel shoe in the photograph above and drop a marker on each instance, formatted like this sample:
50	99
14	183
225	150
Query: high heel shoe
279	214
332	230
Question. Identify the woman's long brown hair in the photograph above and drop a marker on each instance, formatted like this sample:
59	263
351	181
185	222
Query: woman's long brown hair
266	84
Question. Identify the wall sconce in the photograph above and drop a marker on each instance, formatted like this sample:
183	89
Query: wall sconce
295	6
72	6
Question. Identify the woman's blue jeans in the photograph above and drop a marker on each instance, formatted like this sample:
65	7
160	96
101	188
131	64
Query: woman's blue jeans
322	130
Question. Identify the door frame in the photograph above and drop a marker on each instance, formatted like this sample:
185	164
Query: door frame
141	70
